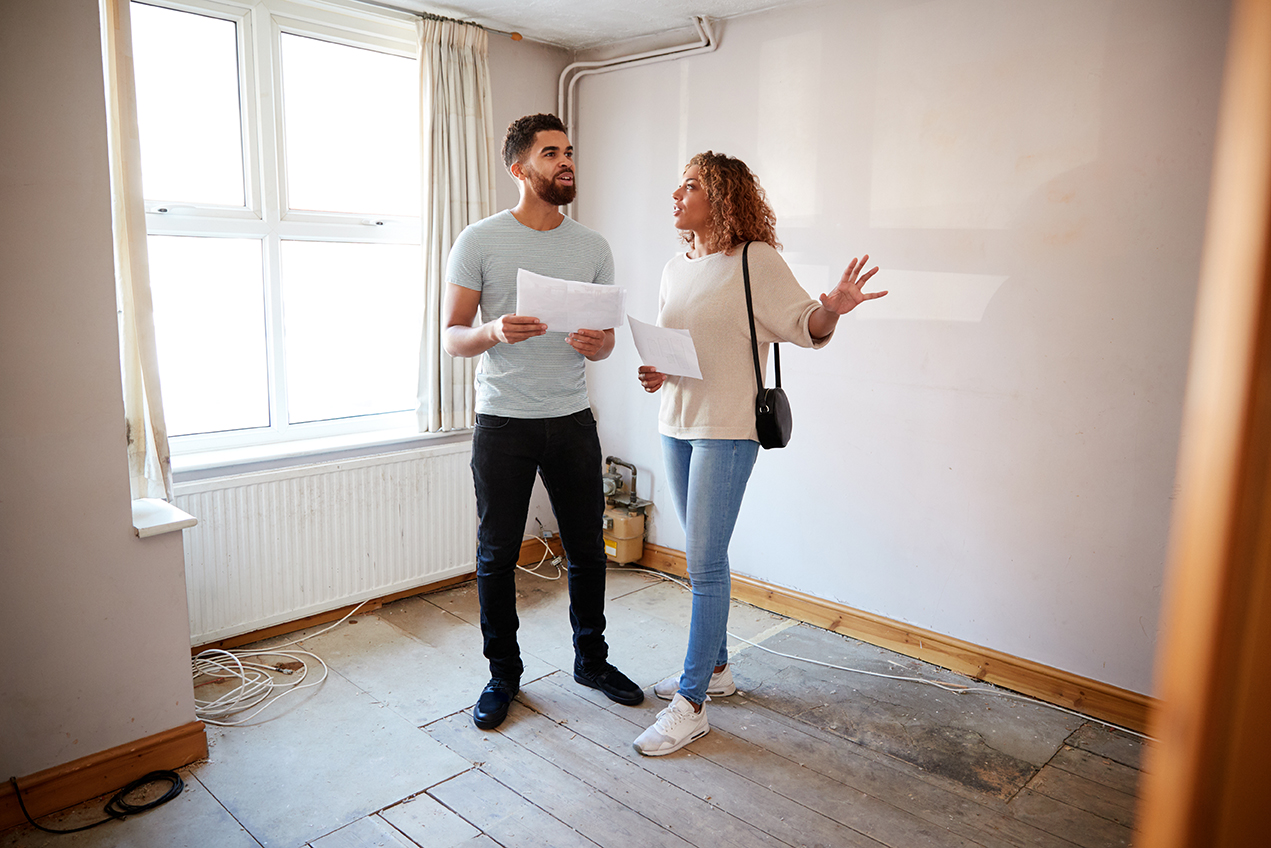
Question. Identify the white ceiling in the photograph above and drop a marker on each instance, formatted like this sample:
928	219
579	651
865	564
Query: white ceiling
583	24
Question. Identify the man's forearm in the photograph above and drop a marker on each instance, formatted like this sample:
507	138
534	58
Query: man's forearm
468	341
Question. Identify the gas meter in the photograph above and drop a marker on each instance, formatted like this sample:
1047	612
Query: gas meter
624	514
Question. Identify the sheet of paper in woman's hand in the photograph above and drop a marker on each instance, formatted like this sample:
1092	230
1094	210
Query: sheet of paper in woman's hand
669	350
568	305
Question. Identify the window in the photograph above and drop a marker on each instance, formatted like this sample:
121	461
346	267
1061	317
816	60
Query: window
280	167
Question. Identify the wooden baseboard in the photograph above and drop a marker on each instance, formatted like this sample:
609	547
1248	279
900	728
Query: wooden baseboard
1089	697
100	774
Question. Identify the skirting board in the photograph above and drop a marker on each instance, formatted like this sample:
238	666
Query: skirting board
102	773
1088	697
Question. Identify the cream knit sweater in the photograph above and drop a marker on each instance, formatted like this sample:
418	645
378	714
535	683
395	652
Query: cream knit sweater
706	296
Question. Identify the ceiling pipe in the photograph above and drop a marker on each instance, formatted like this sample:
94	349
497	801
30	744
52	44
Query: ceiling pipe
706	43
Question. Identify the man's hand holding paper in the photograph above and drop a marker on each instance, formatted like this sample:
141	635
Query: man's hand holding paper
566	306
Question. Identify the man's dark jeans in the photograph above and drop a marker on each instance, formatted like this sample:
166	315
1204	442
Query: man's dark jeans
565	452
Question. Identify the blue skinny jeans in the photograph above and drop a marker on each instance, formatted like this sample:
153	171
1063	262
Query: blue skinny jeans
707	479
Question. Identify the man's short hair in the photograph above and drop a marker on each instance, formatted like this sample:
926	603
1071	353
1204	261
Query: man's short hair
521	132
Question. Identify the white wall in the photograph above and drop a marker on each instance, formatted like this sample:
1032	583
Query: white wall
988	452
92	619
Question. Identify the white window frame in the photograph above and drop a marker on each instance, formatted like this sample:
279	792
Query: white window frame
260	25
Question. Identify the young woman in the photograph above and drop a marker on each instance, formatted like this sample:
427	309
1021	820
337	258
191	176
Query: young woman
708	425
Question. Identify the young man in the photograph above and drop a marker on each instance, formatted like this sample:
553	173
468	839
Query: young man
533	415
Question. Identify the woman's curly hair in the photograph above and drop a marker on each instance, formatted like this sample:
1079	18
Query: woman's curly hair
739	206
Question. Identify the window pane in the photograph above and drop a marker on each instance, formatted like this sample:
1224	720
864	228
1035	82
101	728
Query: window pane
351	123
188	106
209	316
352	315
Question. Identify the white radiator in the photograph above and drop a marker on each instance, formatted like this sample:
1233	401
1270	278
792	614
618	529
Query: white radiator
275	546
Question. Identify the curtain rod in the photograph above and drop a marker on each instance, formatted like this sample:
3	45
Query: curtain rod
431	16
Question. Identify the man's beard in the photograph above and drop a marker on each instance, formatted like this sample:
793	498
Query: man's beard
548	189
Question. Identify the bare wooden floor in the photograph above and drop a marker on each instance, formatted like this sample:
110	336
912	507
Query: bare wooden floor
760	778
384	753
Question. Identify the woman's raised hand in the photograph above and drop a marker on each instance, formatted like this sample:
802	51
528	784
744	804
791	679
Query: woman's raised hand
651	378
847	295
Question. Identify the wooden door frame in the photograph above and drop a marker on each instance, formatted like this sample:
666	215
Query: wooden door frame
1206	776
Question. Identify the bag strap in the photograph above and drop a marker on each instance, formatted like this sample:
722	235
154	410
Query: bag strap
750	311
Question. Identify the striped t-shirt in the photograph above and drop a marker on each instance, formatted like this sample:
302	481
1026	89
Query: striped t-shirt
541	377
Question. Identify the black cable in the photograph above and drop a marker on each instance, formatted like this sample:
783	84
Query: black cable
117	807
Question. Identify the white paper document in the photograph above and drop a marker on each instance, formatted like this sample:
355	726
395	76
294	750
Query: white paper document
567	305
669	350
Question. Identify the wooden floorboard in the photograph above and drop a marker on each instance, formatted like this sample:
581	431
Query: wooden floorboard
1085	794
548	775
864	813
1116	745
1077	825
935	799
1101	770
504	815
796	759
697	821
824	745
370	832
770	819
978	740
563	761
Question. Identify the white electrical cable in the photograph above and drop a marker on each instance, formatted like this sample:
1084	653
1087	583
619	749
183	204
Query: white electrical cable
955	688
258	685
547	549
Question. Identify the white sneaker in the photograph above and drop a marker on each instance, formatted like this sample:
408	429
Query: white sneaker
721	685
677	725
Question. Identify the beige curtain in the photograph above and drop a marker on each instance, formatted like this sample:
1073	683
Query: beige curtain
149	465
458	174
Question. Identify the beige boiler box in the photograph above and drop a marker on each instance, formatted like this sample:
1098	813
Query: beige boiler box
624	534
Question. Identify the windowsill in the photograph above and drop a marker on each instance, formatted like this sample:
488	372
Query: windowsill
223	463
153	517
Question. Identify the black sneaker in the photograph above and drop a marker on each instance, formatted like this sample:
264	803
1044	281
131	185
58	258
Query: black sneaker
609	680
492	706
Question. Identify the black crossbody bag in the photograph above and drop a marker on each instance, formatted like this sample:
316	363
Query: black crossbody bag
772	409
